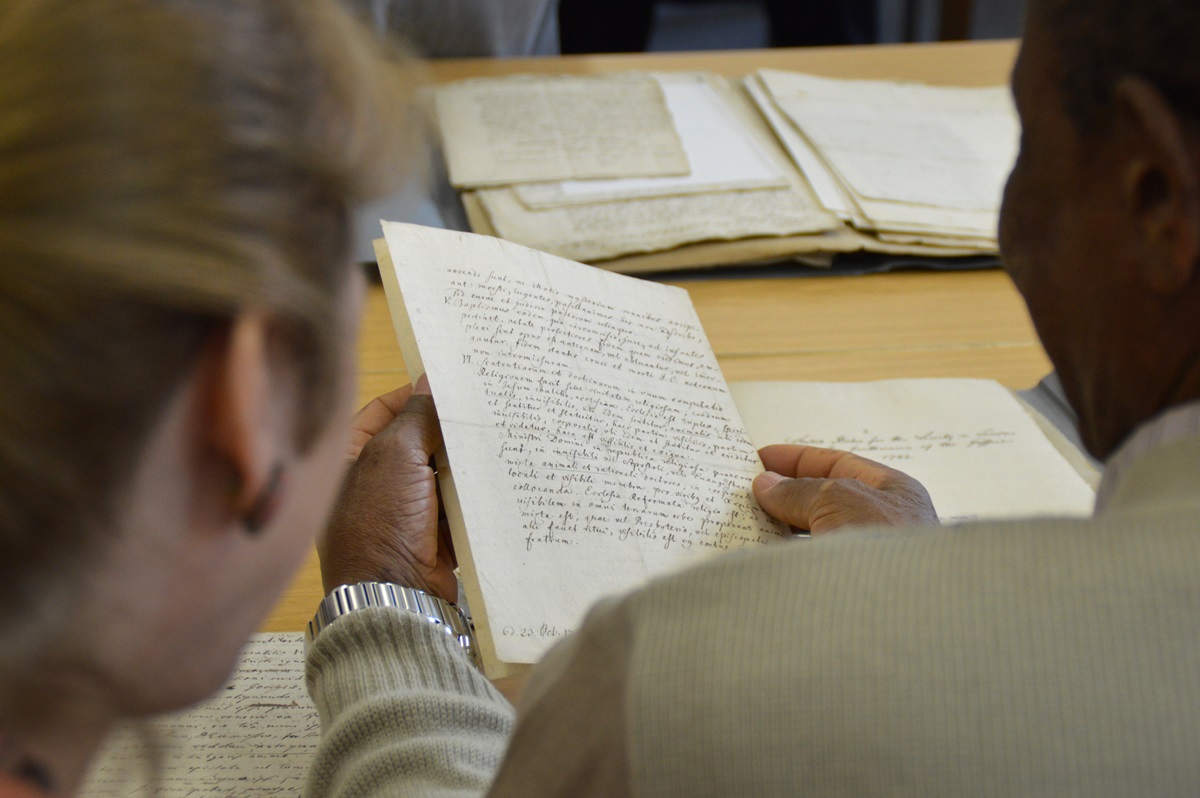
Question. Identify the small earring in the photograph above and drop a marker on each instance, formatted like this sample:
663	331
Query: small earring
266	504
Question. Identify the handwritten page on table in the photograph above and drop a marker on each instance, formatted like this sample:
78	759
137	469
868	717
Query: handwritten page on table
610	229
721	150
500	131
256	737
970	442
591	441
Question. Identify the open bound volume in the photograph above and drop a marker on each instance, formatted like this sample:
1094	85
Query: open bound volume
591	442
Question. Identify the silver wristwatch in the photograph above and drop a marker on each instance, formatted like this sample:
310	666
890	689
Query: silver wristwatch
442	614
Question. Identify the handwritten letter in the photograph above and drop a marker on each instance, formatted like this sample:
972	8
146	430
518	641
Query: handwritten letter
970	442
256	737
520	129
590	436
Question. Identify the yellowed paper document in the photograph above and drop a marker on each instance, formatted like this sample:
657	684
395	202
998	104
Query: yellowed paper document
591	441
946	147
256	737
907	162
825	183
604	230
500	131
610	229
970	442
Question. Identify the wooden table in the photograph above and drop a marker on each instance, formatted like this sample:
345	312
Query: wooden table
916	324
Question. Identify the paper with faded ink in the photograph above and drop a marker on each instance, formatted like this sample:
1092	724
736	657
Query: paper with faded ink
722	151
499	131
970	442
590	435
810	249
256	737
946	147
603	230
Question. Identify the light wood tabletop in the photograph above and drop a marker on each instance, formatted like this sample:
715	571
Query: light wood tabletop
912	324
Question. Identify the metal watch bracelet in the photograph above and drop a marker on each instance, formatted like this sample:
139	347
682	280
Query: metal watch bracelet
441	614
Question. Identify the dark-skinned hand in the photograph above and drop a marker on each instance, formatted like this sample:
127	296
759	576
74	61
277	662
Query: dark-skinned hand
387	524
819	490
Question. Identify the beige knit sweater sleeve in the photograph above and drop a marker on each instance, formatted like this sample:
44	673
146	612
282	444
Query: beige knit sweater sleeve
403	711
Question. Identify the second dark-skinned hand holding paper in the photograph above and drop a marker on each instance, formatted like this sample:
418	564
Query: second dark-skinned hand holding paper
819	490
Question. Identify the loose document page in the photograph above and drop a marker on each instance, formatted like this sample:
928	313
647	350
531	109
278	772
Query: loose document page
499	131
721	150
970	442
256	737
590	439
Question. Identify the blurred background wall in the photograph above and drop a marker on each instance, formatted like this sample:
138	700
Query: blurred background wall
728	24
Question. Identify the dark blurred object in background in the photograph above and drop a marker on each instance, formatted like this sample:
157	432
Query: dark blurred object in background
812	23
624	26
466	28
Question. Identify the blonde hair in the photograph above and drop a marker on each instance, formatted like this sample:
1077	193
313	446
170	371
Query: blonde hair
164	165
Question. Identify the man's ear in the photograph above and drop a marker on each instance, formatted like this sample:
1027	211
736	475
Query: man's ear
1161	187
238	411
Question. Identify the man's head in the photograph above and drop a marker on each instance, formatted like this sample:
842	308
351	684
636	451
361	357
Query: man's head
1101	221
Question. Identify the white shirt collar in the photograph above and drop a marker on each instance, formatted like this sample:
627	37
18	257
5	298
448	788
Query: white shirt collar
1178	422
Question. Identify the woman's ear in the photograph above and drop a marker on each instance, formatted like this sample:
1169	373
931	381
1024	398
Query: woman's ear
243	425
1161	185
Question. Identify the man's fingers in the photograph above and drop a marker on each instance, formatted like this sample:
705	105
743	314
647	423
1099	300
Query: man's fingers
816	462
374	418
380	411
790	500
415	431
803	461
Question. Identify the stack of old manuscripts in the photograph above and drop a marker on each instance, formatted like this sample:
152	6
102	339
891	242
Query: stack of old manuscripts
637	172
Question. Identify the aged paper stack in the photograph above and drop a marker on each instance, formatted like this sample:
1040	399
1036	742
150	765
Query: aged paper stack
909	165
644	172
